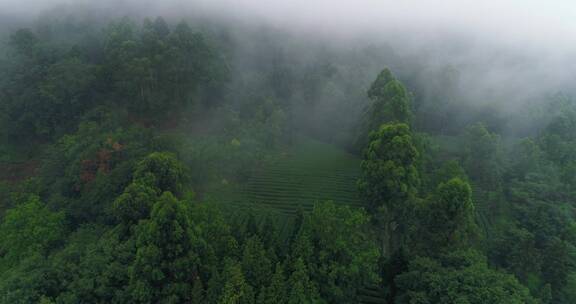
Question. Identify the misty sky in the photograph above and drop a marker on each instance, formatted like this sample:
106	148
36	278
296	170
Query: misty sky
526	18
540	34
531	22
536	24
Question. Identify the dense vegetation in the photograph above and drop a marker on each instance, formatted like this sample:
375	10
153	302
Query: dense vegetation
146	161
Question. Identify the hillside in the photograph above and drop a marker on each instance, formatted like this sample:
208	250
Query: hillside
310	171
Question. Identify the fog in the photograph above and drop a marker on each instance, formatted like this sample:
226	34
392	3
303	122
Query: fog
505	52
509	22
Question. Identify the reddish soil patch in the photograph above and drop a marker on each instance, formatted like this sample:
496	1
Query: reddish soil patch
15	172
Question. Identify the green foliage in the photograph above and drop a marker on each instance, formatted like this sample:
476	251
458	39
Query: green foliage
24	41
215	229
449	170
164	248
559	143
235	290
46	91
458	277
451	215
197	291
157	69
27	281
276	292
483	157
49	84
29	229
390	177
538	249
391	101
85	172
343	256
301	289
94	267
120	223
390	104
163	171
255	263
389	183
515	250
135	203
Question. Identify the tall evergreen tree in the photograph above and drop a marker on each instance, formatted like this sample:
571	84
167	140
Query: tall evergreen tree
390	103
165	255
390	181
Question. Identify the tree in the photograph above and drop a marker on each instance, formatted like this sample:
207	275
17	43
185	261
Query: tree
390	104
483	157
193	65
166	171
165	256
67	86
269	234
389	173
302	289
391	100
24	41
301	247
559	142
135	203
449	170
215	286
515	250
255	263
235	290
458	277
28	229
557	263
451	215
276	292
161	27
93	267
390	180
197	291
214	229
345	256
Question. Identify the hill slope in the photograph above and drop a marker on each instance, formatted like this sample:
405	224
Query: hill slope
308	172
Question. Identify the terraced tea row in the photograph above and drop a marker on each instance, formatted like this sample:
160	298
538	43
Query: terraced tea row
307	173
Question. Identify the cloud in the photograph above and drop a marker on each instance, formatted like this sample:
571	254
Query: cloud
511	46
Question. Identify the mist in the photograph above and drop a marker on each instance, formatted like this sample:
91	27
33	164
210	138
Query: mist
506	53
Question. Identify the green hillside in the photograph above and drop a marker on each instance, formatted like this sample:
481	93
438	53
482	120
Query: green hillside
310	171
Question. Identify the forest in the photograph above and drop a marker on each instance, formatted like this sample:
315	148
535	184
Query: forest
156	159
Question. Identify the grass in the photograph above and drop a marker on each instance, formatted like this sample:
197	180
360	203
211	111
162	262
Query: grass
308	172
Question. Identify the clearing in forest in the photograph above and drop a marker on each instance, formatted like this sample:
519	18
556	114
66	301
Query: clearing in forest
309	172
